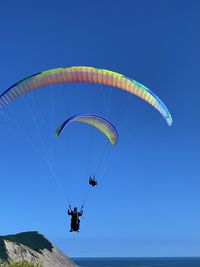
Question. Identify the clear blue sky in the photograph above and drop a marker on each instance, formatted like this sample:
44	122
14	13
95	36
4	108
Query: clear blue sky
147	203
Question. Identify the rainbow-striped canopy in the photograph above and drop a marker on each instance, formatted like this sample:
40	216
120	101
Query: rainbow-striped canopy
84	74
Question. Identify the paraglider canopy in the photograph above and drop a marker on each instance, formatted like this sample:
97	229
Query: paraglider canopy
94	120
84	74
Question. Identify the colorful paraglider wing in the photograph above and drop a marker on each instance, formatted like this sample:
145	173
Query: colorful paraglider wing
84	74
99	122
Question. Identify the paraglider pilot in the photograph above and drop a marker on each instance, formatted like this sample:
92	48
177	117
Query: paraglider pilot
75	221
92	181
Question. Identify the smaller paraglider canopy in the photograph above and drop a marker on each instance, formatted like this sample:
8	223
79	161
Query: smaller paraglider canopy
96	121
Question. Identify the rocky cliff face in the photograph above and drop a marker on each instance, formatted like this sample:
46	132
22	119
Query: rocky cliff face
33	247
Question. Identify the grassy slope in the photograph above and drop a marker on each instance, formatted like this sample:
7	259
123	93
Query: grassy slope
32	240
